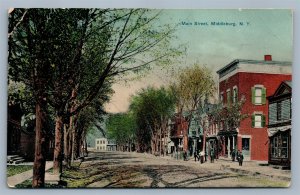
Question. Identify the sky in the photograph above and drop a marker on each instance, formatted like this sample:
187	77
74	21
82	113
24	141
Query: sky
248	34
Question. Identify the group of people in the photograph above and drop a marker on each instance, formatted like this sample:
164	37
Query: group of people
237	155
201	156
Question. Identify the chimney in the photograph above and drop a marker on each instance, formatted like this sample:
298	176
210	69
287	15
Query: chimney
268	57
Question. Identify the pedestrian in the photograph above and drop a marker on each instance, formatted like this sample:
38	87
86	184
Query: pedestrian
185	156
201	154
195	155
240	158
233	155
212	155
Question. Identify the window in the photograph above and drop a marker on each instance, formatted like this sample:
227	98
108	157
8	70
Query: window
221	98
228	96
235	95
97	141
279	111
258	120
279	145
258	95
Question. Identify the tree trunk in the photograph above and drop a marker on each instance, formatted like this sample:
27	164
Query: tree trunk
160	141
69	147
204	140
85	147
66	146
57	159
41	145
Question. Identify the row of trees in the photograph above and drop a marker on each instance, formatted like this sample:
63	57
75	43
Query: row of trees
67	61
152	108
185	97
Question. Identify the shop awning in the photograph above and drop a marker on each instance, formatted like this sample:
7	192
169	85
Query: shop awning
272	131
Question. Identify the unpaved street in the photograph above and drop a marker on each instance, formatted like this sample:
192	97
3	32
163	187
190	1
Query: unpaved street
123	169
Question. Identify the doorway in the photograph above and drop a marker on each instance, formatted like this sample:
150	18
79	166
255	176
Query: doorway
246	148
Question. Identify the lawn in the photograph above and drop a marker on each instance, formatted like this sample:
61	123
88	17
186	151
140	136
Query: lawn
16	169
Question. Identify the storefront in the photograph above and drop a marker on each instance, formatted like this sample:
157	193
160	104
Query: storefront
280	146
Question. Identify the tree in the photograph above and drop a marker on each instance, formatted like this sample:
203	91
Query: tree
230	115
121	127
193	85
51	49
152	108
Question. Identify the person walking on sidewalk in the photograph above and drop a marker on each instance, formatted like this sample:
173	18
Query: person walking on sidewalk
240	158
233	155
195	155
212	155
185	156
201	154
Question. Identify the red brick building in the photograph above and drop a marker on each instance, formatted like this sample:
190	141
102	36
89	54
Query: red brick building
253	80
179	133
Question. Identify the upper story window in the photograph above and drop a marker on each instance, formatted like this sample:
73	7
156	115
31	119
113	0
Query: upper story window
258	120
235	94
228	96
280	111
221	98
258	95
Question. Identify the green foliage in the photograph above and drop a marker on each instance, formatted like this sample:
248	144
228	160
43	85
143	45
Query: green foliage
152	108
230	115
121	127
17	169
193	85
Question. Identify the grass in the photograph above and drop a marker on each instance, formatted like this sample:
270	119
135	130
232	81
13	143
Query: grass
16	169
28	184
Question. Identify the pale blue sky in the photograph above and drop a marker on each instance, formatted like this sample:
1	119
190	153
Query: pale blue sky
269	31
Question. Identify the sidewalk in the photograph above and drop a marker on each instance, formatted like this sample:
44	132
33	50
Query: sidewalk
19	178
249	167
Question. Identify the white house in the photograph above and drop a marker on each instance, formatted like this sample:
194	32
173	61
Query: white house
101	144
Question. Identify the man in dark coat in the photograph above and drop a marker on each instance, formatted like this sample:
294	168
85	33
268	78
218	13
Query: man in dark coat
195	155
240	158
185	156
212	155
233	155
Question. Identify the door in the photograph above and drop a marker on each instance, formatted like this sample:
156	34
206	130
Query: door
246	148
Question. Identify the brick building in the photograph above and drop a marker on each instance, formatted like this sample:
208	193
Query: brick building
252	80
179	133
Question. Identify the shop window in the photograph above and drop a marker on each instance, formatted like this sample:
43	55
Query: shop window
279	146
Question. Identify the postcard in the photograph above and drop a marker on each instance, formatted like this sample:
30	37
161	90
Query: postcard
149	98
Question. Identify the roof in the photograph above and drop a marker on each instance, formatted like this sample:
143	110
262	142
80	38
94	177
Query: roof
289	83
236	61
284	89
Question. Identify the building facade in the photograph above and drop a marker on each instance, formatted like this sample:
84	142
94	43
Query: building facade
279	125
101	144
179	133
111	145
253	81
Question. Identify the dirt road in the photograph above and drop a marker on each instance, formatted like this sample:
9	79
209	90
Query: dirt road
135	170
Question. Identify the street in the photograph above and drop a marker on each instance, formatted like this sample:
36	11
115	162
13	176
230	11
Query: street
138	170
